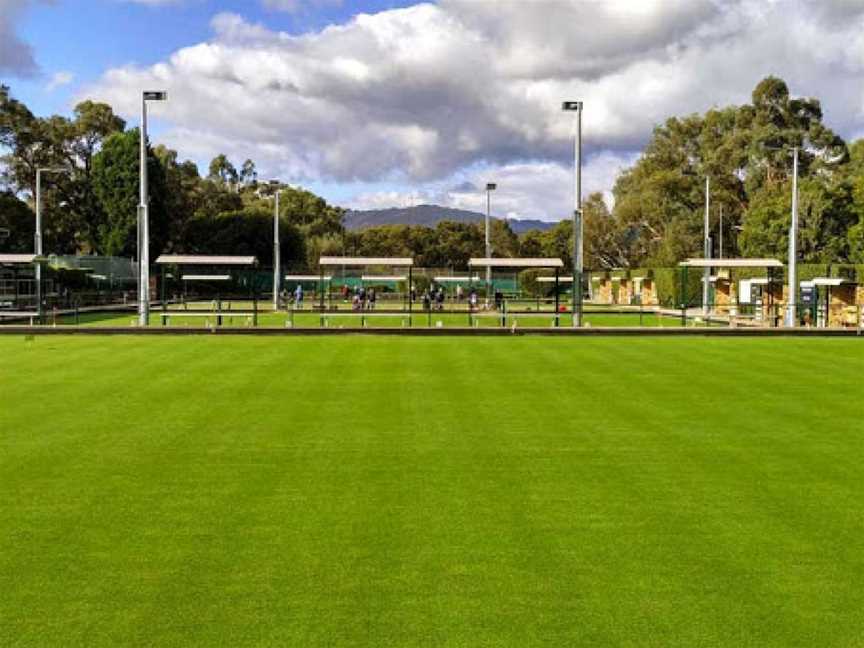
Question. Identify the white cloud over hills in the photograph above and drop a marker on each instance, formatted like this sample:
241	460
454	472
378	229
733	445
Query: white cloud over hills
436	95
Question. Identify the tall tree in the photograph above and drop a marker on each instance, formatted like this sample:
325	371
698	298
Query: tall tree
17	224
116	185
248	174
221	170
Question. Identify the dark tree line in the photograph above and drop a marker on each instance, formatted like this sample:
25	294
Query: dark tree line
91	206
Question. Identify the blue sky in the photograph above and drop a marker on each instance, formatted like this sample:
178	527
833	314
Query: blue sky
426	102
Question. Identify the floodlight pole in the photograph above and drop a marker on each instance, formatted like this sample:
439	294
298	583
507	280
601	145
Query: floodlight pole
37	238
578	248
277	258
143	214
707	246
490	187
792	301
38	243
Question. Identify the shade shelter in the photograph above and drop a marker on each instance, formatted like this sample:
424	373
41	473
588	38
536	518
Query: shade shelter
211	285
771	266
19	292
519	264
393	264
837	306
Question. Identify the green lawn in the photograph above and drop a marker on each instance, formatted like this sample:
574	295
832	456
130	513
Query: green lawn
372	491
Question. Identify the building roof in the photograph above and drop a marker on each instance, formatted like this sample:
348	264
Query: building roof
210	260
205	277
384	278
490	262
829	281
731	263
366	261
21	259
564	279
455	278
307	277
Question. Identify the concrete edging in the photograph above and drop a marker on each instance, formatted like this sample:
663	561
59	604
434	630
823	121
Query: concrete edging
427	332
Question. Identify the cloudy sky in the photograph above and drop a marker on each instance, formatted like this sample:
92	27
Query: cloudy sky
390	102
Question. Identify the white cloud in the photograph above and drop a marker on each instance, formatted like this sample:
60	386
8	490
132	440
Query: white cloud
59	79
532	190
425	94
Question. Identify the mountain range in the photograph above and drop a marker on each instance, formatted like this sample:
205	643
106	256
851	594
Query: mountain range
429	215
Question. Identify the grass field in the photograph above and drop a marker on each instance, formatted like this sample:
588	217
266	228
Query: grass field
369	491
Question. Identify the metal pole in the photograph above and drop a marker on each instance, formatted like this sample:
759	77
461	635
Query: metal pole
707	246
37	243
791	312
276	255
578	261
488	246
144	236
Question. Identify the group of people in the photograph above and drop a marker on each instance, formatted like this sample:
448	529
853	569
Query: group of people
434	298
362	299
294	297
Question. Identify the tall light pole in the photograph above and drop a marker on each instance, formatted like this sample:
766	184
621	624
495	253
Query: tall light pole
37	238
490	187
277	256
707	246
143	214
792	301
576	106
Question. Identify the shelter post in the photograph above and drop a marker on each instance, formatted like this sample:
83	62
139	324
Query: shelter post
557	301
408	295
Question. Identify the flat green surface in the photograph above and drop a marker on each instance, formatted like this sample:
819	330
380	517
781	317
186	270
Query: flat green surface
371	491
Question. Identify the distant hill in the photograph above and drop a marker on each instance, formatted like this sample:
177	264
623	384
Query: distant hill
428	215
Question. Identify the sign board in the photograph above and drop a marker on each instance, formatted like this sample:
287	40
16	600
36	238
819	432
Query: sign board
808	294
